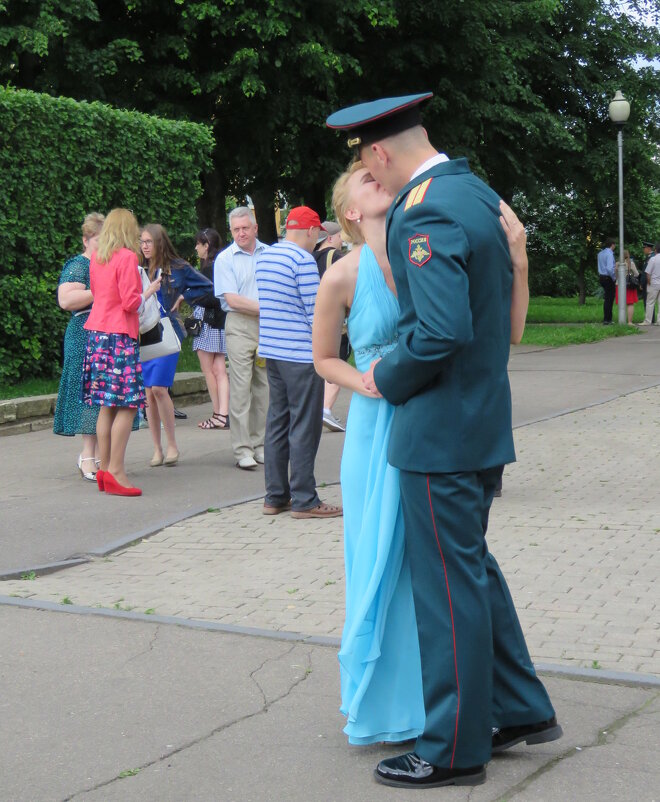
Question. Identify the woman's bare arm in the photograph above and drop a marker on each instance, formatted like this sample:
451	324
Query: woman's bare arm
72	296
517	239
333	299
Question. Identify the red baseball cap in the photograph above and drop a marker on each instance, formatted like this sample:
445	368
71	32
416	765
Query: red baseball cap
302	217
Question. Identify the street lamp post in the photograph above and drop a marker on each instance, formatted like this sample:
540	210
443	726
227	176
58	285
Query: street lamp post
619	112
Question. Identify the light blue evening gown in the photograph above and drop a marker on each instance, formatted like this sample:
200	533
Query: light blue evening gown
381	678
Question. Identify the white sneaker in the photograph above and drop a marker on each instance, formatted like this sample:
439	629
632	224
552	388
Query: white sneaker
331	423
247	463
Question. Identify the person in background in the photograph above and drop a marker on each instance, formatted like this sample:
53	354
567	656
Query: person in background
287	281
652	271
648	253
236	286
112	372
327	252
180	282
73	295
210	343
607	278
631	291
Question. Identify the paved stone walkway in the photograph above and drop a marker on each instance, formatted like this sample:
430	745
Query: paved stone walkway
576	535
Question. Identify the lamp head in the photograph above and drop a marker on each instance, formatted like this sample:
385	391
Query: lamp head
619	109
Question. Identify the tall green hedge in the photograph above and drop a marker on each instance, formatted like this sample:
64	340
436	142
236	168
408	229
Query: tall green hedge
59	160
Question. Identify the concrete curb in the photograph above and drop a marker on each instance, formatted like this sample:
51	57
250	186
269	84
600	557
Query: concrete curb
122	542
34	413
547	669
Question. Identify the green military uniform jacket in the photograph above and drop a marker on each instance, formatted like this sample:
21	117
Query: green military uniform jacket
448	374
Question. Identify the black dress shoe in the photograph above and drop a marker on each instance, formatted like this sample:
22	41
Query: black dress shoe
540	733
410	771
179	414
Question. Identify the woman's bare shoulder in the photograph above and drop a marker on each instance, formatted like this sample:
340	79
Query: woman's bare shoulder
343	272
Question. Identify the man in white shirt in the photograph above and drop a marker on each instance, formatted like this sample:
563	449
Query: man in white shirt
236	286
652	285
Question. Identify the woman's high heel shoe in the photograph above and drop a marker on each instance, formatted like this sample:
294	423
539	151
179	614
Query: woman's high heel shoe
113	488
100	479
89	475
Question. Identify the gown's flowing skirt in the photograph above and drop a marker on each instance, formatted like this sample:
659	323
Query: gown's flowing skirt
381	683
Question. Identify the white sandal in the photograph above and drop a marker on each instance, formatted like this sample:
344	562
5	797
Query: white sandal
89	475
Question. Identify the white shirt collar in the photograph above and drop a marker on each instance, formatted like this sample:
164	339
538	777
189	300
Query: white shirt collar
437	159
236	248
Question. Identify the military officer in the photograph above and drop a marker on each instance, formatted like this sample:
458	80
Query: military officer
450	438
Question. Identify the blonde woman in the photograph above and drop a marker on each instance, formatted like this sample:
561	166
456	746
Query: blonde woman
631	292
112	373
73	295
380	647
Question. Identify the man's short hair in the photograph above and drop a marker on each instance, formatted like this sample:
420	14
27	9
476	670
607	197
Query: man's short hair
609	242
241	211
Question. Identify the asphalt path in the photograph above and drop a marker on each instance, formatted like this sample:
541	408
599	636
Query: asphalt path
48	514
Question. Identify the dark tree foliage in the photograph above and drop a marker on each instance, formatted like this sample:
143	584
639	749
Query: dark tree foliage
521	88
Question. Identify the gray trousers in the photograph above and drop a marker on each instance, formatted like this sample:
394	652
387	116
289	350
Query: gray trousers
293	433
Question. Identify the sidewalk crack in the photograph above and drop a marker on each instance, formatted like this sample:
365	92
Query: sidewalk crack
223	727
604	736
148	650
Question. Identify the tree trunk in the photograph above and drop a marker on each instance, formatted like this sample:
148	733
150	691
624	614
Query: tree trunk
582	290
264	210
315	198
211	210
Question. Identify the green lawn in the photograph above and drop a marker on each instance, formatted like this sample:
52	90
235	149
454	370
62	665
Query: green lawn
567	310
563	321
556	336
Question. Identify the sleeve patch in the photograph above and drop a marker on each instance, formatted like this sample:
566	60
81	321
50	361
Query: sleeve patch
419	249
416	195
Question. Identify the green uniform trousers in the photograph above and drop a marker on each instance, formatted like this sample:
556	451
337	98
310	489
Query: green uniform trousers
476	670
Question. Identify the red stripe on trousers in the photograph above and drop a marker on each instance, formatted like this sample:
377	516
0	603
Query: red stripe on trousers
451	613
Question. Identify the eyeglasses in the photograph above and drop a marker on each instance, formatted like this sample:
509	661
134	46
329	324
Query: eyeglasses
146	242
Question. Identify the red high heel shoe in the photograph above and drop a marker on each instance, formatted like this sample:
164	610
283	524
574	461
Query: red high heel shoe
100	479
113	488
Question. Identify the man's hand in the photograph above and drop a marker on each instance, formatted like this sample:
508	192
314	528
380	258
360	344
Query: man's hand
368	380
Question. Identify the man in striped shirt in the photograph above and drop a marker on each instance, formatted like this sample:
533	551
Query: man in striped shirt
287	282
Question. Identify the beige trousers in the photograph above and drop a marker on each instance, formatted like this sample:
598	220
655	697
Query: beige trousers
248	397
652	293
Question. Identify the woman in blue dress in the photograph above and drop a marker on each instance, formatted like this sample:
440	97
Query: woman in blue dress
180	282
380	670
73	295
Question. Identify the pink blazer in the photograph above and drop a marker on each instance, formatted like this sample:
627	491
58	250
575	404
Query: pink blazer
117	290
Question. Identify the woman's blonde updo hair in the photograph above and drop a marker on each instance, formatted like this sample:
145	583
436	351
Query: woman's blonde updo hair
120	230
92	224
341	202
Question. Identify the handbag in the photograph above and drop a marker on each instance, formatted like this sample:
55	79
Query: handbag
632	281
152	336
193	326
169	343
215	317
150	313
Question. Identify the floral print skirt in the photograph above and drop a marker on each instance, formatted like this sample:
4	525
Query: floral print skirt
112	371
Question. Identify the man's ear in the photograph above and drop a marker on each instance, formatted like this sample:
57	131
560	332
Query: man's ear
380	153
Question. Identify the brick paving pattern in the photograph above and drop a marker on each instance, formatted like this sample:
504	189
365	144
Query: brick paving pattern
576	534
